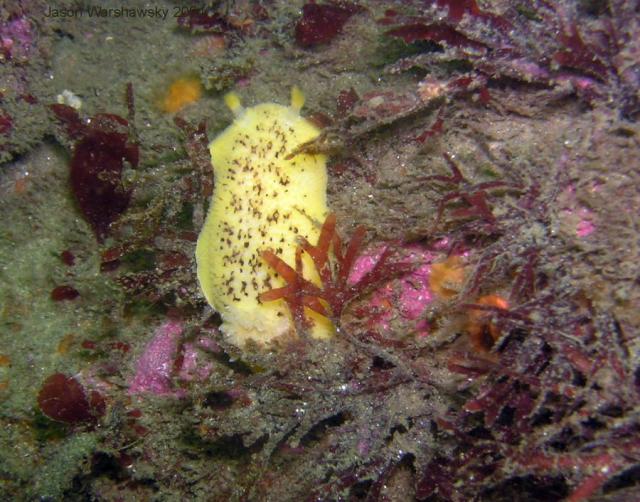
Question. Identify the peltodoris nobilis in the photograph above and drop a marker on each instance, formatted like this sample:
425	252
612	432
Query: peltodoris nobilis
264	198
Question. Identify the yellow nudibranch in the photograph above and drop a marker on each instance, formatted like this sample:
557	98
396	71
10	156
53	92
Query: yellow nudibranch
264	198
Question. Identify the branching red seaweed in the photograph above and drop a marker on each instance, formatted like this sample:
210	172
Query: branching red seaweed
544	43
473	195
333	262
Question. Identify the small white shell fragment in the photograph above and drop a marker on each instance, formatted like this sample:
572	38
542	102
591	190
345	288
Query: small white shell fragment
67	97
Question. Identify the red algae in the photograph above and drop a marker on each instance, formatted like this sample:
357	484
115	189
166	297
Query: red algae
321	23
198	20
457	9
6	123
101	148
335	264
435	32
65	292
345	101
555	51
96	170
68	258
64	399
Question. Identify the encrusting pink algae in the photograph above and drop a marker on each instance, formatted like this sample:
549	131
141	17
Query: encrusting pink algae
155	367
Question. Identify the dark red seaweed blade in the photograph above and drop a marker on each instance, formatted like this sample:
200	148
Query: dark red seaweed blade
96	178
63	399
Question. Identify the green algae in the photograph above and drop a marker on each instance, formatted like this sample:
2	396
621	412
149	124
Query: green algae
54	478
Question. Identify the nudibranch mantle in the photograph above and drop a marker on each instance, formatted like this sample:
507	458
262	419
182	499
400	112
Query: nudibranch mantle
264	198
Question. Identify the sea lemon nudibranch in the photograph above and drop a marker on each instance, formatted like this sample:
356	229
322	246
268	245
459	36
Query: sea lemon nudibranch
265	198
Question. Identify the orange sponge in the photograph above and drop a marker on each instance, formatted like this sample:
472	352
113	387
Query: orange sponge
447	277
181	92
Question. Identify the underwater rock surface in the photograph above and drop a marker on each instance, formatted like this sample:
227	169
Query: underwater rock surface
478	262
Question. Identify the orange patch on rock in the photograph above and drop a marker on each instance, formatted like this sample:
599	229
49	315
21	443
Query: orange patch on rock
65	344
21	184
209	46
447	277
182	92
482	331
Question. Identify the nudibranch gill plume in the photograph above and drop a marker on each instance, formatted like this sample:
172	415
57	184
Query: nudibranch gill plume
266	197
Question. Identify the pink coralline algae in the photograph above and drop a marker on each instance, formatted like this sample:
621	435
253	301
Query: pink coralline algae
410	293
585	226
577	216
155	367
16	38
193	367
335	292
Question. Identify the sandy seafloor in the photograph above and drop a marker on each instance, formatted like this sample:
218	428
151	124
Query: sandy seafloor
399	416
